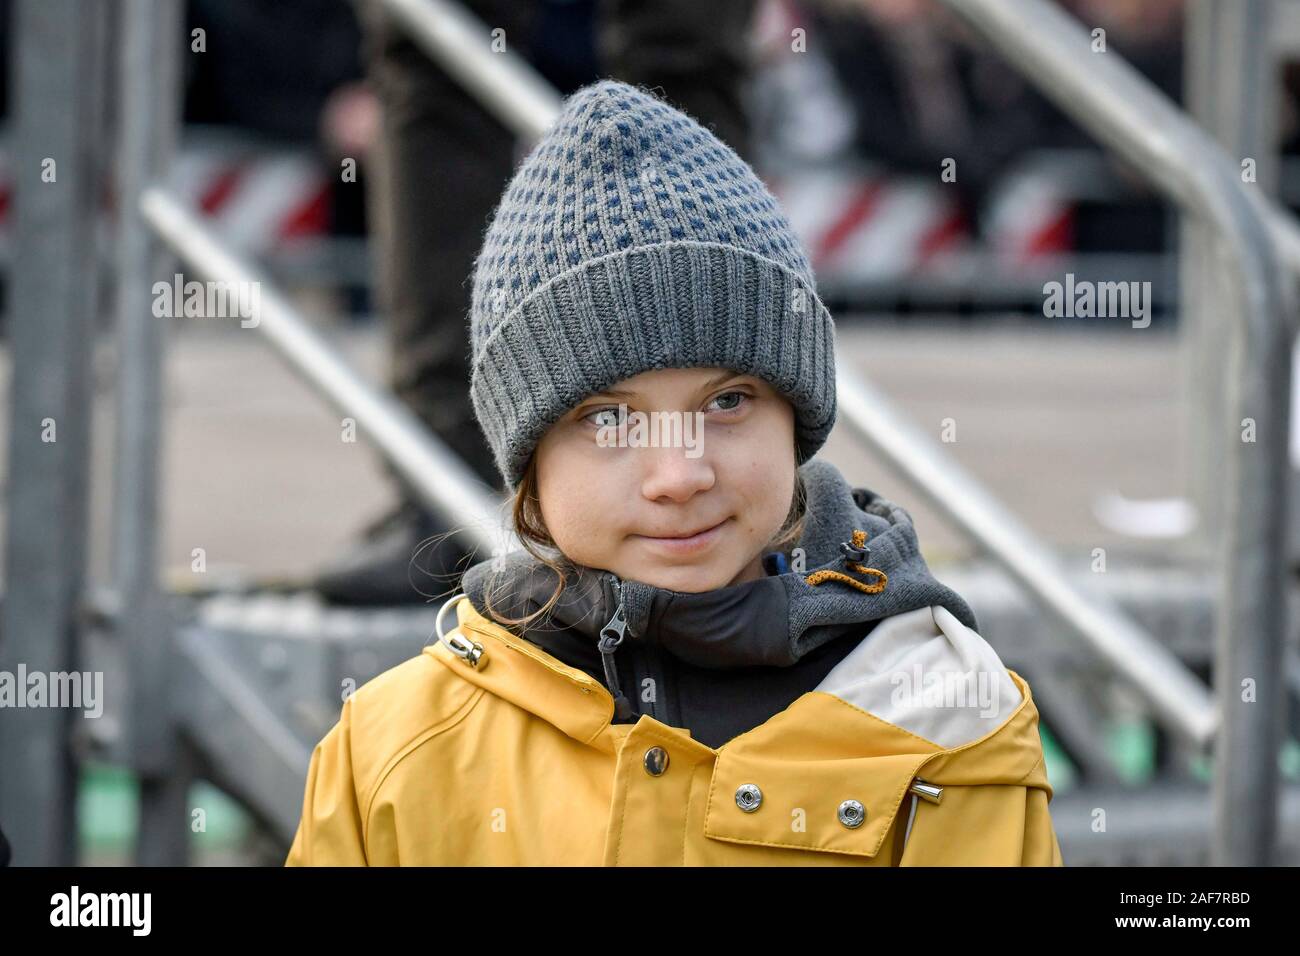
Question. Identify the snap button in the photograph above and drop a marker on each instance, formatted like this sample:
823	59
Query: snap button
852	814
656	761
748	797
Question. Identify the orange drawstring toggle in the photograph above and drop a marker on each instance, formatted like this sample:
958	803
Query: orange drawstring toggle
854	554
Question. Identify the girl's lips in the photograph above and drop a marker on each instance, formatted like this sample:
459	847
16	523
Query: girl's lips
696	542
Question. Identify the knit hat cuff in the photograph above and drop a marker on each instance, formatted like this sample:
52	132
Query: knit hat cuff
674	304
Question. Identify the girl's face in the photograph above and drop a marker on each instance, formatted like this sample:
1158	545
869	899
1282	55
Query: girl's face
700	450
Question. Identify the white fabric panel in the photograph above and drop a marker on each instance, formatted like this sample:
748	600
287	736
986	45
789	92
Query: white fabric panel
928	673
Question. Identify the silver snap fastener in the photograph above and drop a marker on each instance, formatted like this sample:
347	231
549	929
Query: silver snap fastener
656	761
748	797
852	814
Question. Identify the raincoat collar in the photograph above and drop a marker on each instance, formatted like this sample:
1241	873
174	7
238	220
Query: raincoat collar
517	671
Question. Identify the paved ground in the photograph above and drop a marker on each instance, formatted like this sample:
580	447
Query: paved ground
256	473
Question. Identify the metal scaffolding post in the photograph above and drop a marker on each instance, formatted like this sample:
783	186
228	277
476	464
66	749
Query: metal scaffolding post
1231	92
148	83
59	70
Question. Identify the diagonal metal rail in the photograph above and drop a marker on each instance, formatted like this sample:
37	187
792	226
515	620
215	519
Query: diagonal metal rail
443	480
1178	697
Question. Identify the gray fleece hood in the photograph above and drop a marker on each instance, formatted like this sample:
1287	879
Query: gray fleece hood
774	621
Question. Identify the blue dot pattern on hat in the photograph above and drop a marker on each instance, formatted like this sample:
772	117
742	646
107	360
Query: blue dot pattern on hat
631	238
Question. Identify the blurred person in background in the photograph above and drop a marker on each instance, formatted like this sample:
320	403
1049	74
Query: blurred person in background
1149	35
923	91
436	173
289	72
270	66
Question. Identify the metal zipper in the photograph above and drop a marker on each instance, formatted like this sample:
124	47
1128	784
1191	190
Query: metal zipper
643	658
611	637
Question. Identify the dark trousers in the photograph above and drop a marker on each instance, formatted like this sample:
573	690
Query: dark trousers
443	163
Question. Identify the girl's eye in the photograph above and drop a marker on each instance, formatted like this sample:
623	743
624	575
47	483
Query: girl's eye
740	398
611	422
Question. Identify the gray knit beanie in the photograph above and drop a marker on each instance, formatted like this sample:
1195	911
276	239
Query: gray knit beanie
631	239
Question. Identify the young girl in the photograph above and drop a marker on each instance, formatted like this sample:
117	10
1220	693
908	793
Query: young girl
712	650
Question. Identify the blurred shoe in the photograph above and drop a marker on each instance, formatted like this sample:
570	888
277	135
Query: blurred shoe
385	569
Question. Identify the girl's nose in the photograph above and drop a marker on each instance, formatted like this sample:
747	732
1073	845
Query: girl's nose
671	473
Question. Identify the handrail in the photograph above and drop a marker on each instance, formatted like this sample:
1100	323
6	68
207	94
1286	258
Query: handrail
441	478
1125	111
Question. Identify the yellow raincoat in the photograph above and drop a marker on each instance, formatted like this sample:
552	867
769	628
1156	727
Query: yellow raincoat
513	760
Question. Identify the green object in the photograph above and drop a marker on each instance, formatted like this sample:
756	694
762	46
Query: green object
227	823
1289	760
1132	745
108	811
108	801
1061	772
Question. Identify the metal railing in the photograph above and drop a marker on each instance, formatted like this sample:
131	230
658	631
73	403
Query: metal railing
52	289
1178	698
1120	107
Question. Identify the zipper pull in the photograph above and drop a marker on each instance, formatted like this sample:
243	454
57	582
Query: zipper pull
615	629
611	636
